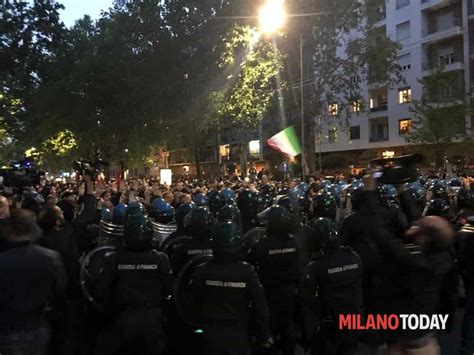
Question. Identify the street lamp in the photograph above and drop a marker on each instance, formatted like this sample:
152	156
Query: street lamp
272	16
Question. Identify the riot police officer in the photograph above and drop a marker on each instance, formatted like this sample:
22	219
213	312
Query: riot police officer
199	226
132	285
247	201
224	288
332	286
277	258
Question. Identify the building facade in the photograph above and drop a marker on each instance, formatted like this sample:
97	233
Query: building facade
430	33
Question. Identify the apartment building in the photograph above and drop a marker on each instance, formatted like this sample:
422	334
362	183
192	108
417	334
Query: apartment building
430	32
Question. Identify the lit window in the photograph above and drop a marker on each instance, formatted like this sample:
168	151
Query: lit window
254	148
355	106
332	109
224	150
404	96
404	126
332	135
372	103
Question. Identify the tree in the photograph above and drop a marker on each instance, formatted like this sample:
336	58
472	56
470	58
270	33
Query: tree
247	96
439	116
342	50
31	31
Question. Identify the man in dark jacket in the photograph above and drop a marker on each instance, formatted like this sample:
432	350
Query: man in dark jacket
32	279
224	289
277	259
131	288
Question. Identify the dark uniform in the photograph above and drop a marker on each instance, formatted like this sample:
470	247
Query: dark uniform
198	223
277	258
132	285
32	278
332	287
334	281
224	289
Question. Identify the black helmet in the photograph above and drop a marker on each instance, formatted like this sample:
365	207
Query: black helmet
198	216
216	202
438	207
227	195
134	209
268	190
466	198
248	202
182	211
438	189
325	234
228	213
324	205
279	221
138	230
286	202
226	238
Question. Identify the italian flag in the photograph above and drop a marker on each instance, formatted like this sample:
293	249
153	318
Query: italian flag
286	142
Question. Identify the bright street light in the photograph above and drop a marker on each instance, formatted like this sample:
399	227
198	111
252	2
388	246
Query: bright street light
272	16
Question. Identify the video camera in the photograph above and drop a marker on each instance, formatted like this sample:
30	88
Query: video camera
90	168
397	170
21	174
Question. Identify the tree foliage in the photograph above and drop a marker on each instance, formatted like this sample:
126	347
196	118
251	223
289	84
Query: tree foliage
439	116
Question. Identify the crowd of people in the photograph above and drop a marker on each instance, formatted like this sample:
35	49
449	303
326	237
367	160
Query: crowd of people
257	266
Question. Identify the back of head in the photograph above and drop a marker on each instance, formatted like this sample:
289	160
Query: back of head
432	233
47	218
68	209
21	226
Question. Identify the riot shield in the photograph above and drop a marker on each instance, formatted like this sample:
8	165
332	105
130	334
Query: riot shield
91	268
183	294
110	234
161	232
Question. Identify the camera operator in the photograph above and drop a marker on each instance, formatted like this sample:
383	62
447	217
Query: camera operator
32	279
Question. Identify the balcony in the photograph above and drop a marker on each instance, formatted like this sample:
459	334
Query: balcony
427	69
379	108
432	5
442	35
378	139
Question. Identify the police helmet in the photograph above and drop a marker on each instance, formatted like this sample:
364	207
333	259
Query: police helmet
248	201
416	190
133	209
198	216
164	214
303	186
201	199
438	189
279	221
106	214
387	194
325	234
227	195
181	212
325	205
216	202
228	213
438	207
118	213
466	198
138	230
226	237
